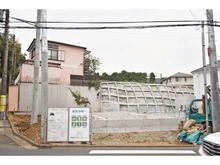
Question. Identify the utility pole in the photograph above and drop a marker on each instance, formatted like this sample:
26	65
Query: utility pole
5	60
12	60
205	80
34	112
44	77
213	73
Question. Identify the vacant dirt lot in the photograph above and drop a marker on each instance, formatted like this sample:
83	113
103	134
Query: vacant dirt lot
22	125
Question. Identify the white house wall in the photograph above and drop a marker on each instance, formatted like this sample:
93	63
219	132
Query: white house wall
198	82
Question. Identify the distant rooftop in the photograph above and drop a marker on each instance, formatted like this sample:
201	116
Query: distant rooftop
178	74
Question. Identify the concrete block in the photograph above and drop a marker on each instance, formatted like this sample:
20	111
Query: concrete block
152	124
110	107
116	123
99	130
99	124
134	123
168	124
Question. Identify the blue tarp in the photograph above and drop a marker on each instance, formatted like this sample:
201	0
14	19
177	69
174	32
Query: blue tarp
194	138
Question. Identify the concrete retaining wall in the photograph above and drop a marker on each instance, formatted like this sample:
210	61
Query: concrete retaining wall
134	125
140	97
59	96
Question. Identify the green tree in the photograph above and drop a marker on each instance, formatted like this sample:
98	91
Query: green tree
91	64
91	67
152	78
19	57
115	77
105	77
125	76
80	100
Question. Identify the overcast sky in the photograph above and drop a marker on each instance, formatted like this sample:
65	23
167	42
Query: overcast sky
163	51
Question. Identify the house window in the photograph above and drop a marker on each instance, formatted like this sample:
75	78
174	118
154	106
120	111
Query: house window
177	79
52	52
185	79
32	53
170	79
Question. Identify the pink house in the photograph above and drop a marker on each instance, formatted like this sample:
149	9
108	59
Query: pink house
65	69
65	64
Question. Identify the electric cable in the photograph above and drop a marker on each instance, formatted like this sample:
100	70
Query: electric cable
110	27
194	16
109	22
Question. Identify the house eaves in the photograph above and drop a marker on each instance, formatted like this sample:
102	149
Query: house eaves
55	42
178	74
207	68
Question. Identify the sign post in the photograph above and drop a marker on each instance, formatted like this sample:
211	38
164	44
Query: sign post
57	127
79	125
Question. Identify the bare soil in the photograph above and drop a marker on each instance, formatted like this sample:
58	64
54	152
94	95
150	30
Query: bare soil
22	125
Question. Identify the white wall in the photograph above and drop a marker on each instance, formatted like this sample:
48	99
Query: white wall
59	97
198	82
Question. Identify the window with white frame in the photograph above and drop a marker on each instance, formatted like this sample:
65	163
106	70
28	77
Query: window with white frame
52	52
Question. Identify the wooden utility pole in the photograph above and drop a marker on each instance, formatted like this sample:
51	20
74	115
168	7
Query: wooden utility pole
5	60
213	73
44	77
34	111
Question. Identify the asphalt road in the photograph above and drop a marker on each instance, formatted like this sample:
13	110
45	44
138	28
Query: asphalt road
18	147
15	150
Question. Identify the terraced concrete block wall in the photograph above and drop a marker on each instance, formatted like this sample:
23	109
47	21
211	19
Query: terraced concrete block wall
140	97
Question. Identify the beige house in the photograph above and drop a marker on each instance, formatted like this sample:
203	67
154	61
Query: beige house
179	79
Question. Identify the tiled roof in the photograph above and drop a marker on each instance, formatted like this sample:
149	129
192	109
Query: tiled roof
179	74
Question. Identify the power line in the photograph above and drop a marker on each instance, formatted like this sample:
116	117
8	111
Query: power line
109	22
25	21
152	34
113	27
194	15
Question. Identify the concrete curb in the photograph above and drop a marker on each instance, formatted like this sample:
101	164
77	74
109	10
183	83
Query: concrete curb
84	145
25	138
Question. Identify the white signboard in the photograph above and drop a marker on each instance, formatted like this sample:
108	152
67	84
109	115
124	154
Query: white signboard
79	124
57	125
